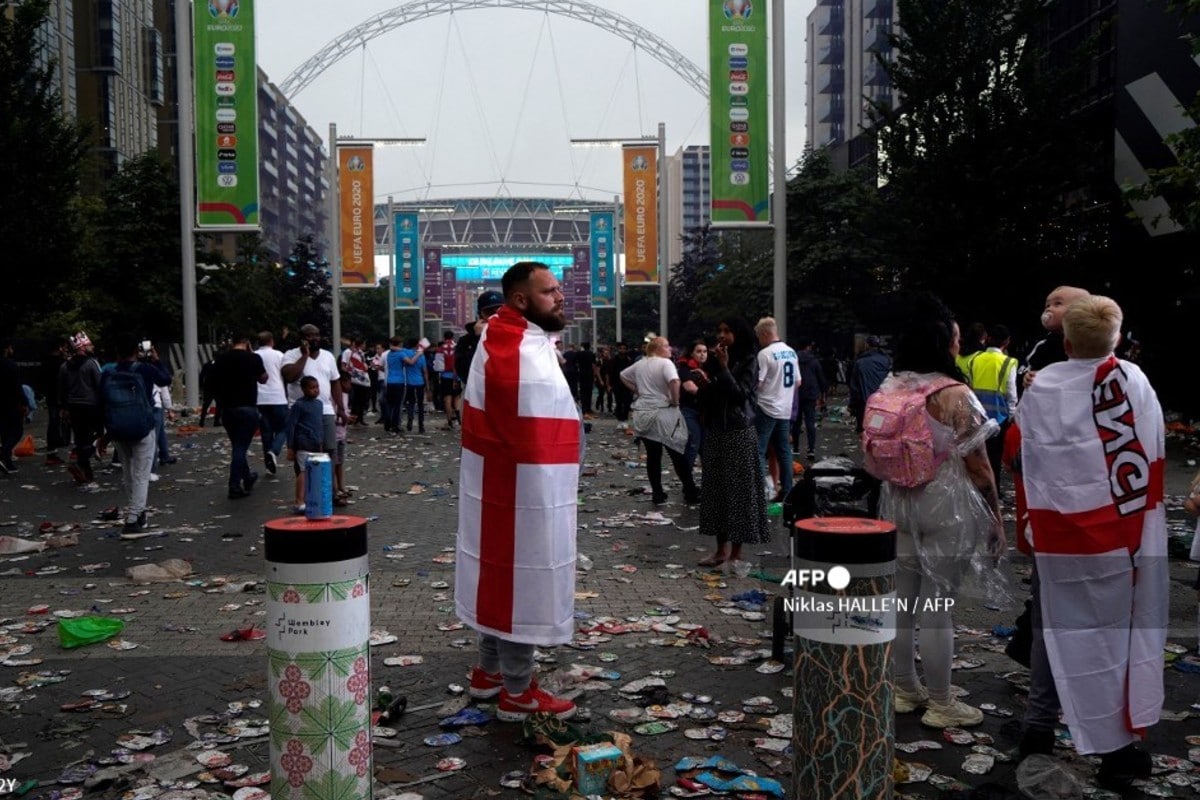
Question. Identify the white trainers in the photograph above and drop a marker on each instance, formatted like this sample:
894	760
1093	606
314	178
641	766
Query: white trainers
908	702
956	714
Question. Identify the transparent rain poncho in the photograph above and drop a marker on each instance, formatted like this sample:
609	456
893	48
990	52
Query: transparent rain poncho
950	523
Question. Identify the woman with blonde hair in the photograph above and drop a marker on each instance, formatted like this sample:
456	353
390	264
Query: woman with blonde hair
656	417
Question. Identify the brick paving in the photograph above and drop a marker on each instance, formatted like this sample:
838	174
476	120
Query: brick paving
180	668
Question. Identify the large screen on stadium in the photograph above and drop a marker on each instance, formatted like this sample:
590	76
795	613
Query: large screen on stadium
492	266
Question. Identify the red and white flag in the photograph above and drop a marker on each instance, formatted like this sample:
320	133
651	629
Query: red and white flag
1092	453
518	488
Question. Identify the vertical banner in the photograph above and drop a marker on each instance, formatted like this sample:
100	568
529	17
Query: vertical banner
641	214
356	208
464	303
568	289
433	283
582	271
604	293
450	299
226	107
407	279
581	263
738	57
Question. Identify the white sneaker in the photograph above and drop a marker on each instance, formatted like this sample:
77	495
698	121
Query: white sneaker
153	477
908	702
956	714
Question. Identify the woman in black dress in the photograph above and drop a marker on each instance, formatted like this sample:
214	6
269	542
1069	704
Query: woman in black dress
733	502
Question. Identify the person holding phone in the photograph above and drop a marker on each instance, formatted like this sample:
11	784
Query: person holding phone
692	379
312	360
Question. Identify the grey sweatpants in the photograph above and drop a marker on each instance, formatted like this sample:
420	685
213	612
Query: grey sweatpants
513	660
137	462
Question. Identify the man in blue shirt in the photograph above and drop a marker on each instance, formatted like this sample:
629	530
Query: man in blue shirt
395	385
413	357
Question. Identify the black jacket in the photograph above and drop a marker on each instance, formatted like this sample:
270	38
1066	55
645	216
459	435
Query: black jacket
812	376
865	377
464	351
727	402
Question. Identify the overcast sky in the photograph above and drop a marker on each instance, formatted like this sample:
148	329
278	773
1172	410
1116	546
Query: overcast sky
499	92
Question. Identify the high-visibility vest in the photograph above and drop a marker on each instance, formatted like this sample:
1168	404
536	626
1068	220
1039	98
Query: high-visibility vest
964	363
988	375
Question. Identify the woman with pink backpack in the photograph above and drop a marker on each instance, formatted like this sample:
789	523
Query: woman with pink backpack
923	436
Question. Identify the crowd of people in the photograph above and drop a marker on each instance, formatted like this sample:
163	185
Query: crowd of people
942	417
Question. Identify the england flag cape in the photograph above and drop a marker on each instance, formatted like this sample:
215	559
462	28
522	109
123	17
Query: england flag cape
518	486
1092	449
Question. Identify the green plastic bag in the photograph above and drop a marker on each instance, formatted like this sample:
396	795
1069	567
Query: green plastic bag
87	630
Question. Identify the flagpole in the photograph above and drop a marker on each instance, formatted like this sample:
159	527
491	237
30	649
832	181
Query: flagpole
617	244
779	201
187	202
392	261
335	245
664	270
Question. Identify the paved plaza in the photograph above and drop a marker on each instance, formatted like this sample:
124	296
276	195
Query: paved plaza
181	673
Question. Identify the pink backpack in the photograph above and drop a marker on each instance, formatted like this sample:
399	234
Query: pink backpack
897	441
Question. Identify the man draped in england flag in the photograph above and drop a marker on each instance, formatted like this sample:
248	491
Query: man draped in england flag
1092	449
515	576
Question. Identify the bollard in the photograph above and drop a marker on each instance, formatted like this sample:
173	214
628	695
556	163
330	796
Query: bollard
319	668
845	620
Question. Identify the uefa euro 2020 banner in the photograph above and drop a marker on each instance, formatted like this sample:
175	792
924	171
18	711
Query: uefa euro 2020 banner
356	201
737	51
604	293
641	214
407	279
226	108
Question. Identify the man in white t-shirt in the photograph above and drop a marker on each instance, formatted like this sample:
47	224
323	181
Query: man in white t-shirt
778	379
272	402
311	359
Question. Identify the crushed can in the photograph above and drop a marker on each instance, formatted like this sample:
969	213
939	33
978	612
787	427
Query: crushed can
318	487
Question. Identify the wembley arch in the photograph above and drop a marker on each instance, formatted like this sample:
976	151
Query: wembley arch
387	21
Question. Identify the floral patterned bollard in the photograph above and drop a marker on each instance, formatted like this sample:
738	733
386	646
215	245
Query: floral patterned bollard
843	731
318	625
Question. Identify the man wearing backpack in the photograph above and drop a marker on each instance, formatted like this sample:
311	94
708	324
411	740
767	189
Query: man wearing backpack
127	404
992	375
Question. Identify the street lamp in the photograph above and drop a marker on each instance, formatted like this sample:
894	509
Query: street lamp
335	233
663	241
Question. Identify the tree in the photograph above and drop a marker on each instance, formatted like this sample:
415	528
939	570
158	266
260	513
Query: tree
41	152
133	275
246	296
639	313
835	257
1179	184
981	152
699	265
365	312
743	287
307	282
